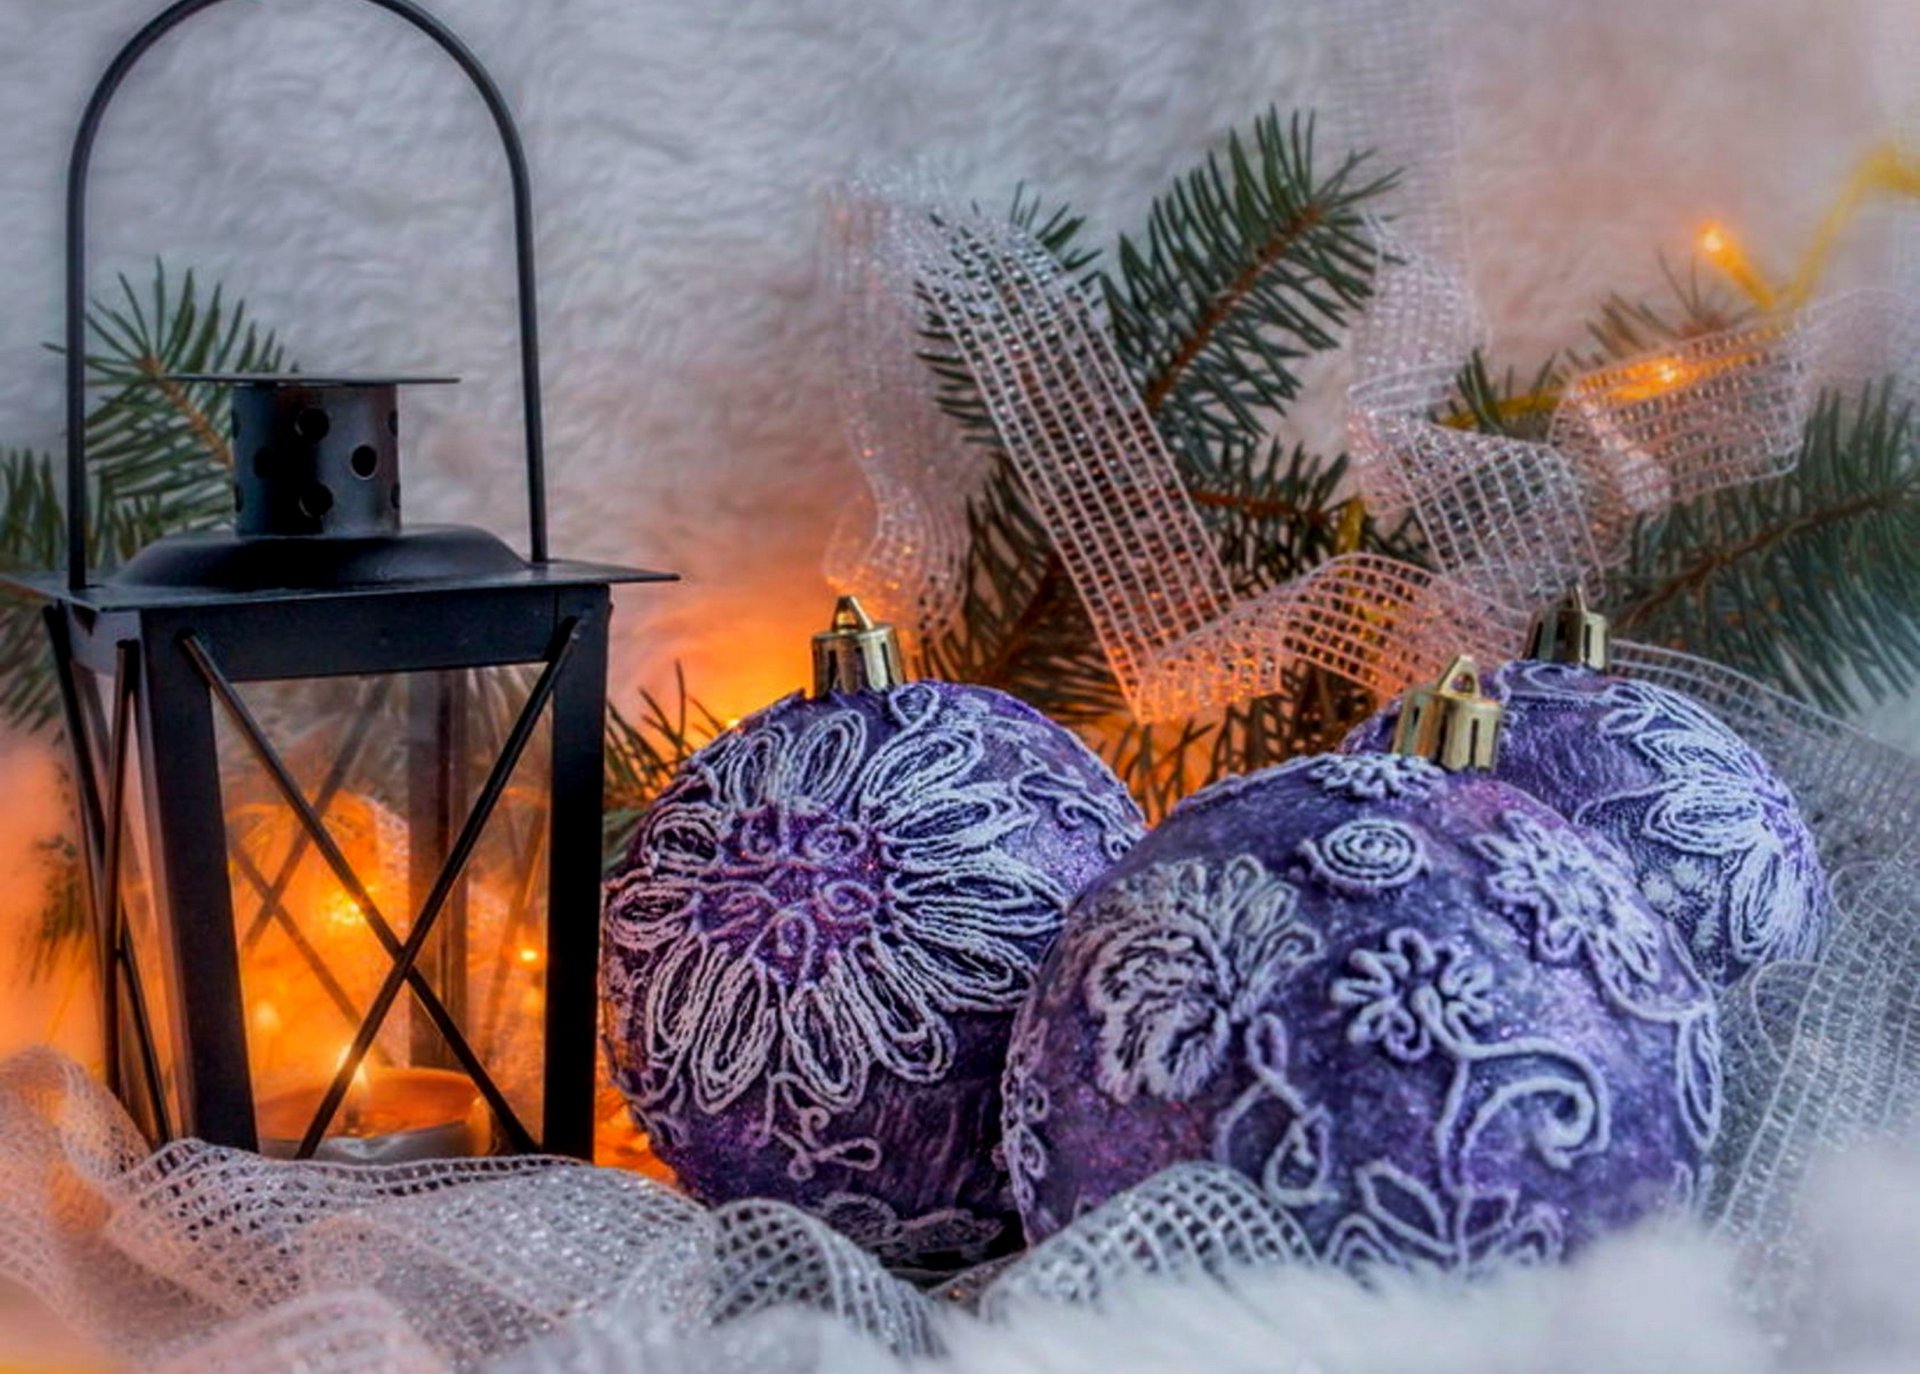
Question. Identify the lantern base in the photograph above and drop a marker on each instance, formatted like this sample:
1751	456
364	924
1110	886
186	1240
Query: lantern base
249	563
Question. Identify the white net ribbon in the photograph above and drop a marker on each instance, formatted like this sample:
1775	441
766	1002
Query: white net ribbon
1509	522
1100	478
904	550
1830	1062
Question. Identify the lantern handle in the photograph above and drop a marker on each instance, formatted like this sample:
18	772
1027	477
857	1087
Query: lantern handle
76	249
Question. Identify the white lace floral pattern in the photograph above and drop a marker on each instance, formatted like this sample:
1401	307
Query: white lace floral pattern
1025	1108
1729	853
1582	907
1415	998
1376	776
1579	905
1187	950
811	904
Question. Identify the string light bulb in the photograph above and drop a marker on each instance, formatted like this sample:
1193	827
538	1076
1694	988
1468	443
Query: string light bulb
1718	246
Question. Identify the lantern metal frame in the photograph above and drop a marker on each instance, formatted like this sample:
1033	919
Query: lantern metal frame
177	649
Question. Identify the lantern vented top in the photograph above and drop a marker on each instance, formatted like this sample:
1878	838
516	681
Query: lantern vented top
316	487
854	654
1451	723
315	456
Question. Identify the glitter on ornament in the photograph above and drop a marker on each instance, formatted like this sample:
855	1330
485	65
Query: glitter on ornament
818	941
1431	1019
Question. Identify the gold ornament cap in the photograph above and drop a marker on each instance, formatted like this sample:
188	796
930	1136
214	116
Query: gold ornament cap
1452	723
1569	632
855	655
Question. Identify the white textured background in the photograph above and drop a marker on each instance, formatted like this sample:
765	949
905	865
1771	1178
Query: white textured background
326	163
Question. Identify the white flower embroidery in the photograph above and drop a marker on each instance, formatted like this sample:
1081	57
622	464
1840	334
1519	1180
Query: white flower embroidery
1185	951
1025	1108
1745	880
1580	903
1418	999
1409	990
1366	856
1375	777
808	907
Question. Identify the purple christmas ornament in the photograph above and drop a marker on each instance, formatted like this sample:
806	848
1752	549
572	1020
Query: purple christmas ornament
1714	838
819	938
1436	1024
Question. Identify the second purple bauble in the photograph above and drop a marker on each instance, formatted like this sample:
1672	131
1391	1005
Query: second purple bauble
1436	1024
816	946
1716	841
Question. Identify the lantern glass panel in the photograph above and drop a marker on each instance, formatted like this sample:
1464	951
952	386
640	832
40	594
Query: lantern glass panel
143	1001
394	766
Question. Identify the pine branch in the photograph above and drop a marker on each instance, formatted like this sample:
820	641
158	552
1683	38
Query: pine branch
63	908
158	462
1808	580
644	753
1623	328
155	436
1249	264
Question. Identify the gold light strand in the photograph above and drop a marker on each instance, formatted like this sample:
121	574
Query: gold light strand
1719	247
1882	171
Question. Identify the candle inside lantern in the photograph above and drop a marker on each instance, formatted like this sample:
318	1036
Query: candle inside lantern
389	1116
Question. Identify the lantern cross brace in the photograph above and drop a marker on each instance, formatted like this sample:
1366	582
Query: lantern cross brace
405	954
273	910
273	906
273	894
104	828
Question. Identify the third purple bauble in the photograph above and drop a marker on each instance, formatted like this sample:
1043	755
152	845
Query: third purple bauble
1714	838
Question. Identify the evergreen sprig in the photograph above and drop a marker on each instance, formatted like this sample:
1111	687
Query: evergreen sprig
644	752
159	460
1806	581
1248	265
1809	581
160	435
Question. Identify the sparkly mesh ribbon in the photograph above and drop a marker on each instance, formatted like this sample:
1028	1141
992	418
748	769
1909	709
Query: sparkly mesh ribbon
904	551
1100	478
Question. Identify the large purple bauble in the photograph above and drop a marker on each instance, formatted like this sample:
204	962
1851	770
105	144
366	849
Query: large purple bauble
817	943
1436	1024
1715	840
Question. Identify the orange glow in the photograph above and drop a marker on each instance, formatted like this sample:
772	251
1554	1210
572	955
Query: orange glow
342	910
299	1023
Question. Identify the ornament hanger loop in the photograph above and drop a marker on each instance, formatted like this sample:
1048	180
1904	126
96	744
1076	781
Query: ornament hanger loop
1451	723
76	261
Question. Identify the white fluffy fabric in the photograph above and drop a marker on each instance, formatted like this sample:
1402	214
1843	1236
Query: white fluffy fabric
330	166
1660	1300
1656	1301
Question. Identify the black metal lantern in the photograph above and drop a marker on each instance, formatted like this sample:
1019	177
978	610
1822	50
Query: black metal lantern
340	782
